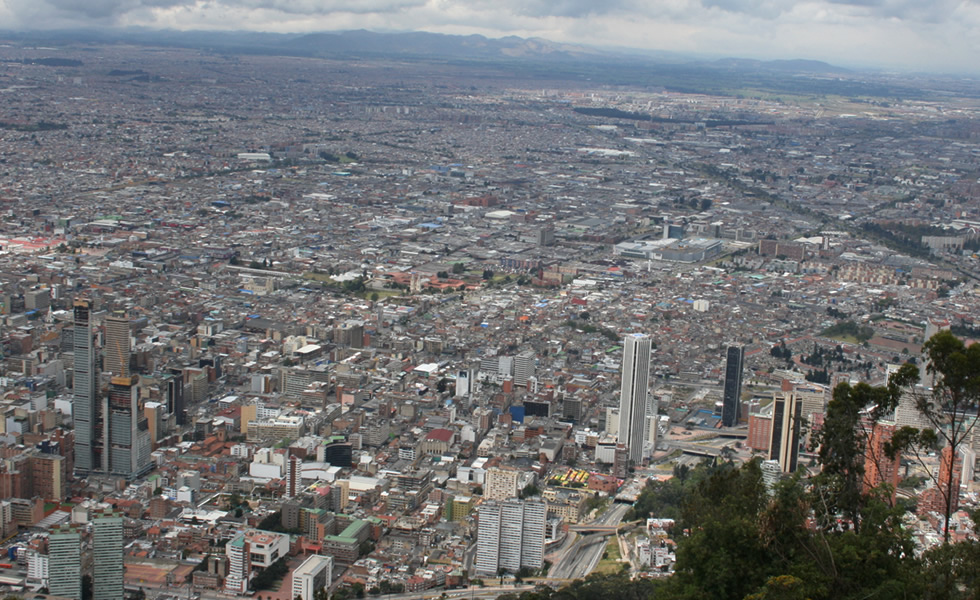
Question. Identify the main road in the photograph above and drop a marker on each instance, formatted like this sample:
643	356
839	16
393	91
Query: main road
585	553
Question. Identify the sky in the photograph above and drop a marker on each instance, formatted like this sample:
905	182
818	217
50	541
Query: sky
908	35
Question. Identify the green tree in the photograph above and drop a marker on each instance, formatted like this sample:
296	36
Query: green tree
950	406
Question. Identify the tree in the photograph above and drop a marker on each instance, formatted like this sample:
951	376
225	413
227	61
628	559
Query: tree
842	449
459	268
949	407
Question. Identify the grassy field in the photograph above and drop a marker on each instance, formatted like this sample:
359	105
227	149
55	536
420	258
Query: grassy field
610	561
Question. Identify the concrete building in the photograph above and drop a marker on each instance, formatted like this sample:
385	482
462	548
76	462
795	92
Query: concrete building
249	550
510	536
128	429
107	556
65	562
313	575
633	404
732	400
86	413
787	420
501	484
116	349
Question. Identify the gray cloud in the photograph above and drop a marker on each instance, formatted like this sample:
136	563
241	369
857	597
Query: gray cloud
914	33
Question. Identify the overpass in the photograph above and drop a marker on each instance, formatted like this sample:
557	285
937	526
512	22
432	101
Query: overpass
601	528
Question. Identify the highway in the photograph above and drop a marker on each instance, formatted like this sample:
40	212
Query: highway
585	553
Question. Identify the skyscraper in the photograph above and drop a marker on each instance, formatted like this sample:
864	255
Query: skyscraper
117	346
129	430
633	404
523	367
510	535
107	551
731	404
787	421
85	409
65	562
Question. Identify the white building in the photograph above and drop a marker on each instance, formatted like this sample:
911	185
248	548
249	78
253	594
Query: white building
633	403
511	535
252	549
313	575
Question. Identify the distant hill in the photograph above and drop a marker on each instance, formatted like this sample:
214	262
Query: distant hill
408	45
438	45
788	66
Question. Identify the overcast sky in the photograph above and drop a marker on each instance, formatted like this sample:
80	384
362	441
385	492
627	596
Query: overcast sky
933	35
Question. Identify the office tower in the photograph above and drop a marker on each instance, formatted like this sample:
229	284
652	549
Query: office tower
313	575
107	556
523	367
501	484
116	349
86	412
175	398
129	430
731	404
633	404
787	420
510	535
65	562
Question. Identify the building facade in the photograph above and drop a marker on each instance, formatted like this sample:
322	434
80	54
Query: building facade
107	556
633	402
732	400
510	535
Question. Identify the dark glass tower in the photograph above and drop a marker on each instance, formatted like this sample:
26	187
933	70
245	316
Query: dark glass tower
731	404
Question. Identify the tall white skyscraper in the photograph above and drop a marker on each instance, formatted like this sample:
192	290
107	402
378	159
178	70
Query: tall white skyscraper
633	405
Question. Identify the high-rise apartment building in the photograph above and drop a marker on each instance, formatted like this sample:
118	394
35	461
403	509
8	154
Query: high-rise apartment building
107	556
633	403
86	411
732	400
501	484
879	468
787	423
510	535
294	476
65	562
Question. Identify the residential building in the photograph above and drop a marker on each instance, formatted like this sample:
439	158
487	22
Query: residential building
501	483
510	536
